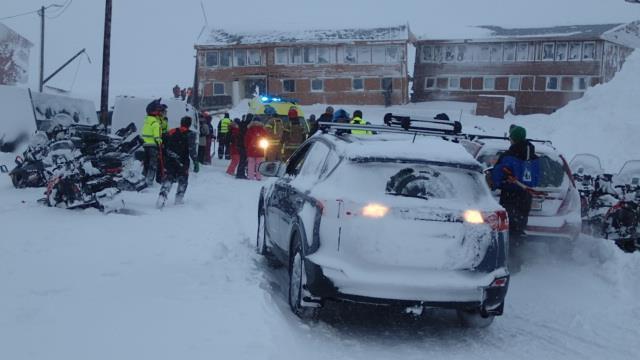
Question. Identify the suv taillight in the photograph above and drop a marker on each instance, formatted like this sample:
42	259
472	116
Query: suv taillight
499	221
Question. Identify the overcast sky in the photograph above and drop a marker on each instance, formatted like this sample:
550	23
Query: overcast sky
152	40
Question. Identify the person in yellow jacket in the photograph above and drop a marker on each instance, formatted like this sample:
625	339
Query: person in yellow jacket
152	140
224	137
357	120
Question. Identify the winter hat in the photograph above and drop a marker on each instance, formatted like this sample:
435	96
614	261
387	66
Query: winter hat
329	110
517	134
357	114
154	107
441	116
293	113
185	122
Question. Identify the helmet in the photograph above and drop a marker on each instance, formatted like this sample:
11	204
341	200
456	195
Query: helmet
441	116
293	113
269	110
154	107
340	114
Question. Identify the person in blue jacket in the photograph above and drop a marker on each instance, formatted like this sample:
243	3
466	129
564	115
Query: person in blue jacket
516	173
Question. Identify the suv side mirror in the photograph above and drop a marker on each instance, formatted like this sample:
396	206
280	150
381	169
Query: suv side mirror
270	168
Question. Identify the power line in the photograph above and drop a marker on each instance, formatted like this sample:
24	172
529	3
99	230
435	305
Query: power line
18	15
65	6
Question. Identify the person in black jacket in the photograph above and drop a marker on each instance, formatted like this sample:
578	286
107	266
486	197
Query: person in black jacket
241	172
327	116
179	148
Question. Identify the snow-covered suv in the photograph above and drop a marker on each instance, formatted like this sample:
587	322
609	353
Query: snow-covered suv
381	219
557	214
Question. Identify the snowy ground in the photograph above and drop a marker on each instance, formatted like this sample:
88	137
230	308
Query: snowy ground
185	283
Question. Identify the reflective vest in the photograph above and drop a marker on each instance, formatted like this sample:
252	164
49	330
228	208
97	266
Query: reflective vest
224	125
151	131
164	125
359	121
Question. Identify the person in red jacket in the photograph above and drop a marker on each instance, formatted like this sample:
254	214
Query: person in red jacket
234	143
255	141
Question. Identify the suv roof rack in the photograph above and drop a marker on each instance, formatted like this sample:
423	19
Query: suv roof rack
402	124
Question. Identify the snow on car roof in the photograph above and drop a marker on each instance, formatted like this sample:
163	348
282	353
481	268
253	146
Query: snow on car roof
219	37
425	148
498	144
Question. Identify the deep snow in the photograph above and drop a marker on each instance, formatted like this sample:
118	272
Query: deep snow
185	283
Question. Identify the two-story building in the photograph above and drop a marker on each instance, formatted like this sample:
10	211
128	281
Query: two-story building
14	56
350	66
542	68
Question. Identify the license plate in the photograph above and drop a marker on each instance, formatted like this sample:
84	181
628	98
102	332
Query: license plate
536	205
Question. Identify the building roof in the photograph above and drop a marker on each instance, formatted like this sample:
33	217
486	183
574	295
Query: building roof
222	38
6	33
623	34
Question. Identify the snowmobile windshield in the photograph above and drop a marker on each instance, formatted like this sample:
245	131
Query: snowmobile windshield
60	146
629	174
586	164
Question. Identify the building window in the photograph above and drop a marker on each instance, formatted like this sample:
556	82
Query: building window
387	83
489	83
581	83
225	57
325	55
378	55
212	58
548	51
296	56
310	54
496	53
462	50
240	57
218	89
437	54
561	51
357	84
575	49
450	54
522	53
509	51
429	83
289	85
427	54
282	56
317	85
589	51
553	83
254	57
393	54
484	53
514	83
364	55
454	83
349	55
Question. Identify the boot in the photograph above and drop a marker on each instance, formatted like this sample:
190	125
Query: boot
162	199
179	200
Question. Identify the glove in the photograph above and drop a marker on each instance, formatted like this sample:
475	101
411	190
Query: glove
196	166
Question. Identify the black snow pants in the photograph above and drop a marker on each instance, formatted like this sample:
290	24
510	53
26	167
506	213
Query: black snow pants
518	205
223	146
150	163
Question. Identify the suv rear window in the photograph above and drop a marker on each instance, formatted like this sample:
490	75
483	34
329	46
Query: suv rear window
413	180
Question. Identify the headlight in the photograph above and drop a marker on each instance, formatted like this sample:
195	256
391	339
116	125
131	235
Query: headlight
375	211
473	217
263	143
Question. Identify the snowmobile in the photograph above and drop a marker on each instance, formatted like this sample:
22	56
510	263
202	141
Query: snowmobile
622	221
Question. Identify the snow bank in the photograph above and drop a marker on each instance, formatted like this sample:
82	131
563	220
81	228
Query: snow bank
604	122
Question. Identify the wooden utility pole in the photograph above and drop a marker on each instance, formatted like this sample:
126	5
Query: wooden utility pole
41	83
106	53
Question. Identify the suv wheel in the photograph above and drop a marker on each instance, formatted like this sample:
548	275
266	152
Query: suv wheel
473	319
296	277
261	243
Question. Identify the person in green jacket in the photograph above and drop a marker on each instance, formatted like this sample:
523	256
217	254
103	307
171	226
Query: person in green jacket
152	140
